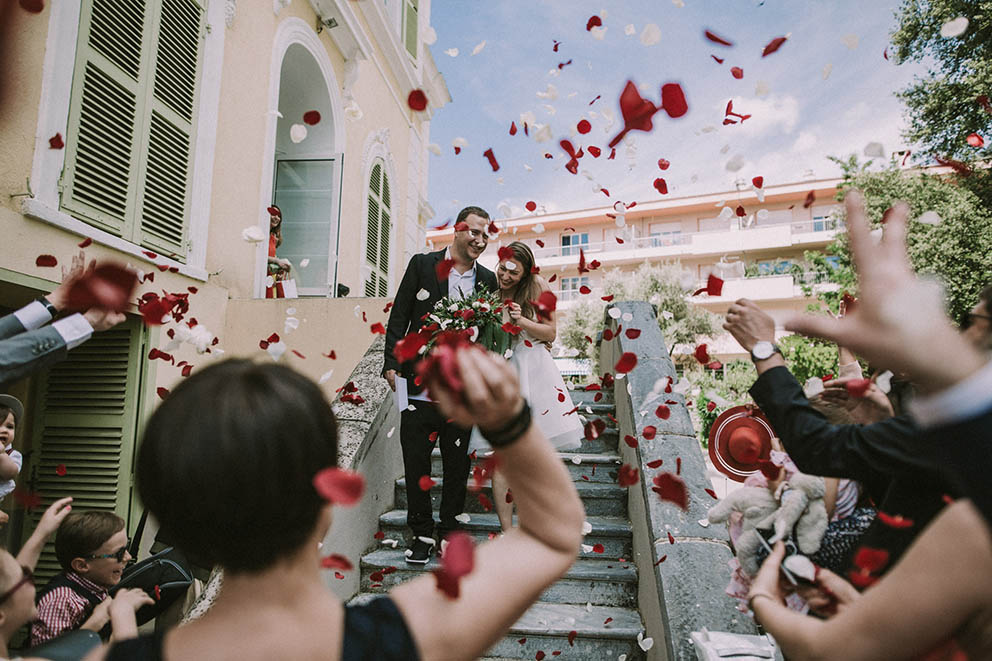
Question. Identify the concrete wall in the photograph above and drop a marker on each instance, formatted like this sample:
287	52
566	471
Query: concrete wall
682	583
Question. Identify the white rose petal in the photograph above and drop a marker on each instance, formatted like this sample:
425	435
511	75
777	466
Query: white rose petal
827	68
650	35
393	543
761	88
297	133
478	47
598	32
429	36
543	134
291	324
586	548
576	460
459	142
326	376
813	387
270	281
452	52
463	517
253	234
705	523
724	149
358	311
884	381
735	163
760	192
850	40
434	148
954	28
644	643
551	93
762	214
627	316
929	218
726	213
389	434
539	228
276	350
667	315
614	312
507	354
305	262
586	528
630	30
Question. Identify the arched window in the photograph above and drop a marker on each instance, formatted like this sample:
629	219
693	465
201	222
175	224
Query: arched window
378	231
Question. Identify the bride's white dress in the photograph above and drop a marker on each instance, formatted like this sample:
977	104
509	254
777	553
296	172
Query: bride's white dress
544	389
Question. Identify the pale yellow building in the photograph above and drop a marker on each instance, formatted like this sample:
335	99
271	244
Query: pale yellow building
759	255
182	120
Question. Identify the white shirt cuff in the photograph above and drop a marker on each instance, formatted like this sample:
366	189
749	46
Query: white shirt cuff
74	330
33	315
961	401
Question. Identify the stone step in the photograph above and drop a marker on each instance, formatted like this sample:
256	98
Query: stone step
545	628
596	581
600	498
588	467
614	533
583	397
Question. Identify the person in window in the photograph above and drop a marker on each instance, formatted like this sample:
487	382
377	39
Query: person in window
278	269
235	483
11	414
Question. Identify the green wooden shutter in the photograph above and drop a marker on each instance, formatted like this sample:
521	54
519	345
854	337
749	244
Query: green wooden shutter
131	120
100	175
372	229
384	228
410	25
86	419
165	188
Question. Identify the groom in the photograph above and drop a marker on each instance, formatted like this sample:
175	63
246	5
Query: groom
418	426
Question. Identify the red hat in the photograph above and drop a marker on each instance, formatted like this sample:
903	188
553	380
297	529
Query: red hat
739	438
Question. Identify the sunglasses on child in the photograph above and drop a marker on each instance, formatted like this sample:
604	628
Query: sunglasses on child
27	577
117	555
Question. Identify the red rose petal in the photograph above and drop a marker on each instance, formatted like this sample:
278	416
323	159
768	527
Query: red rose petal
626	363
663	412
663	164
594	21
661	186
710	406
513	128
649	432
596	151
594	428
637	113
737	72
630	440
655	463
584	290
716	39
632	333
46	261
377	329
895	521
108	286
487	505
444	268
458	561
719	60
571	637
336	561
870	559
711	493
545	304
162	392
492	159
531	206
417	100
678	465
598	548
672	488
583	126
56	142
379	535
858	387
808	202
539	656
60	470
628	476
673	100
861	579
975	140
661	560
671	540
425	483
339	486
701	353
311	117
773	46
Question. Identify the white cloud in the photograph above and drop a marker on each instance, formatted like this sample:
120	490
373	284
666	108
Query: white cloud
806	140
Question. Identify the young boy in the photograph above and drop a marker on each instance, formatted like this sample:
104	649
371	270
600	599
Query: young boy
92	549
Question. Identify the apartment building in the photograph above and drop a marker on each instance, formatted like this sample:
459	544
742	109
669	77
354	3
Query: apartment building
753	239
161	131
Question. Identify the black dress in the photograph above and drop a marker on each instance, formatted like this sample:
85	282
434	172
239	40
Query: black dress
372	632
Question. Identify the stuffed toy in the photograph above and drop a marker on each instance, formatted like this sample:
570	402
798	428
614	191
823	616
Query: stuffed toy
799	506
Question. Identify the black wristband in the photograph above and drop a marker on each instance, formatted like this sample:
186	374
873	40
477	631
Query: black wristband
507	434
48	306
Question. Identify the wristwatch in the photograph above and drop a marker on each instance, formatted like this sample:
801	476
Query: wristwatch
763	350
48	306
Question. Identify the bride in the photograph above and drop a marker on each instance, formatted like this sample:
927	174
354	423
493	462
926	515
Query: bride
540	381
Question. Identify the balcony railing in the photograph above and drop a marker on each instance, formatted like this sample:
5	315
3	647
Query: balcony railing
690	242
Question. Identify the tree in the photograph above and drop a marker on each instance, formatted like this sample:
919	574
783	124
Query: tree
658	284
957	250
952	101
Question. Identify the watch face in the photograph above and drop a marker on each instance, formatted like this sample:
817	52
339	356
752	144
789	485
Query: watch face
763	350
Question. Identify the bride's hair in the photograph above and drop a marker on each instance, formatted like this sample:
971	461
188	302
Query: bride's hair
529	287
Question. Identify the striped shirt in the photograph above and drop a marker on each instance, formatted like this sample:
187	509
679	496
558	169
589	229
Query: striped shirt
63	609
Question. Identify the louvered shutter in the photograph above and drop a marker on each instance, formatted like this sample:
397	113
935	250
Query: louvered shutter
86	419
131	120
384	228
101	159
372	229
410	25
166	184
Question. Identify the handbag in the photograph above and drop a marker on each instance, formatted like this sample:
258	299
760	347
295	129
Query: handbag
164	576
718	645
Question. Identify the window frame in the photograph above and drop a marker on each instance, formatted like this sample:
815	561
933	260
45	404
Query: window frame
53	117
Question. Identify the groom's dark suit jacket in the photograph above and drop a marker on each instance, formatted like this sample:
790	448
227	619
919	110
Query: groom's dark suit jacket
407	313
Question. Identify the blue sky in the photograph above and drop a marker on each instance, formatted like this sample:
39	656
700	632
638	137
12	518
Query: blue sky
799	120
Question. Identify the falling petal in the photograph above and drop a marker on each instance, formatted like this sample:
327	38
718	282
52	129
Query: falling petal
650	35
773	46
478	47
954	28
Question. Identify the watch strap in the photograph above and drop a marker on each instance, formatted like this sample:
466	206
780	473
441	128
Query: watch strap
48	306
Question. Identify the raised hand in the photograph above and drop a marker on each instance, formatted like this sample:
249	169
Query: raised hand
749	324
490	395
874	406
52	518
102	320
59	296
899	322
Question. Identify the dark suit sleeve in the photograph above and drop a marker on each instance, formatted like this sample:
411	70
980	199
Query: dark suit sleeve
28	352
402	310
870	454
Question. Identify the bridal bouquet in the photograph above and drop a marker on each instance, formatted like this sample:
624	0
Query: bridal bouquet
480	316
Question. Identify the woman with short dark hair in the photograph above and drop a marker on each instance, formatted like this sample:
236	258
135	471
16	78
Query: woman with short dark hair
227	465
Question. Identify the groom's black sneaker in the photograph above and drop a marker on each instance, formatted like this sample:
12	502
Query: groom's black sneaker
420	551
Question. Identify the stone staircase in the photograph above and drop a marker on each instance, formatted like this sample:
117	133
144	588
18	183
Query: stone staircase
597	598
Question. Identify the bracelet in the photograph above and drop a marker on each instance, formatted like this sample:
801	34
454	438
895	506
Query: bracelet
48	306
754	595
507	434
